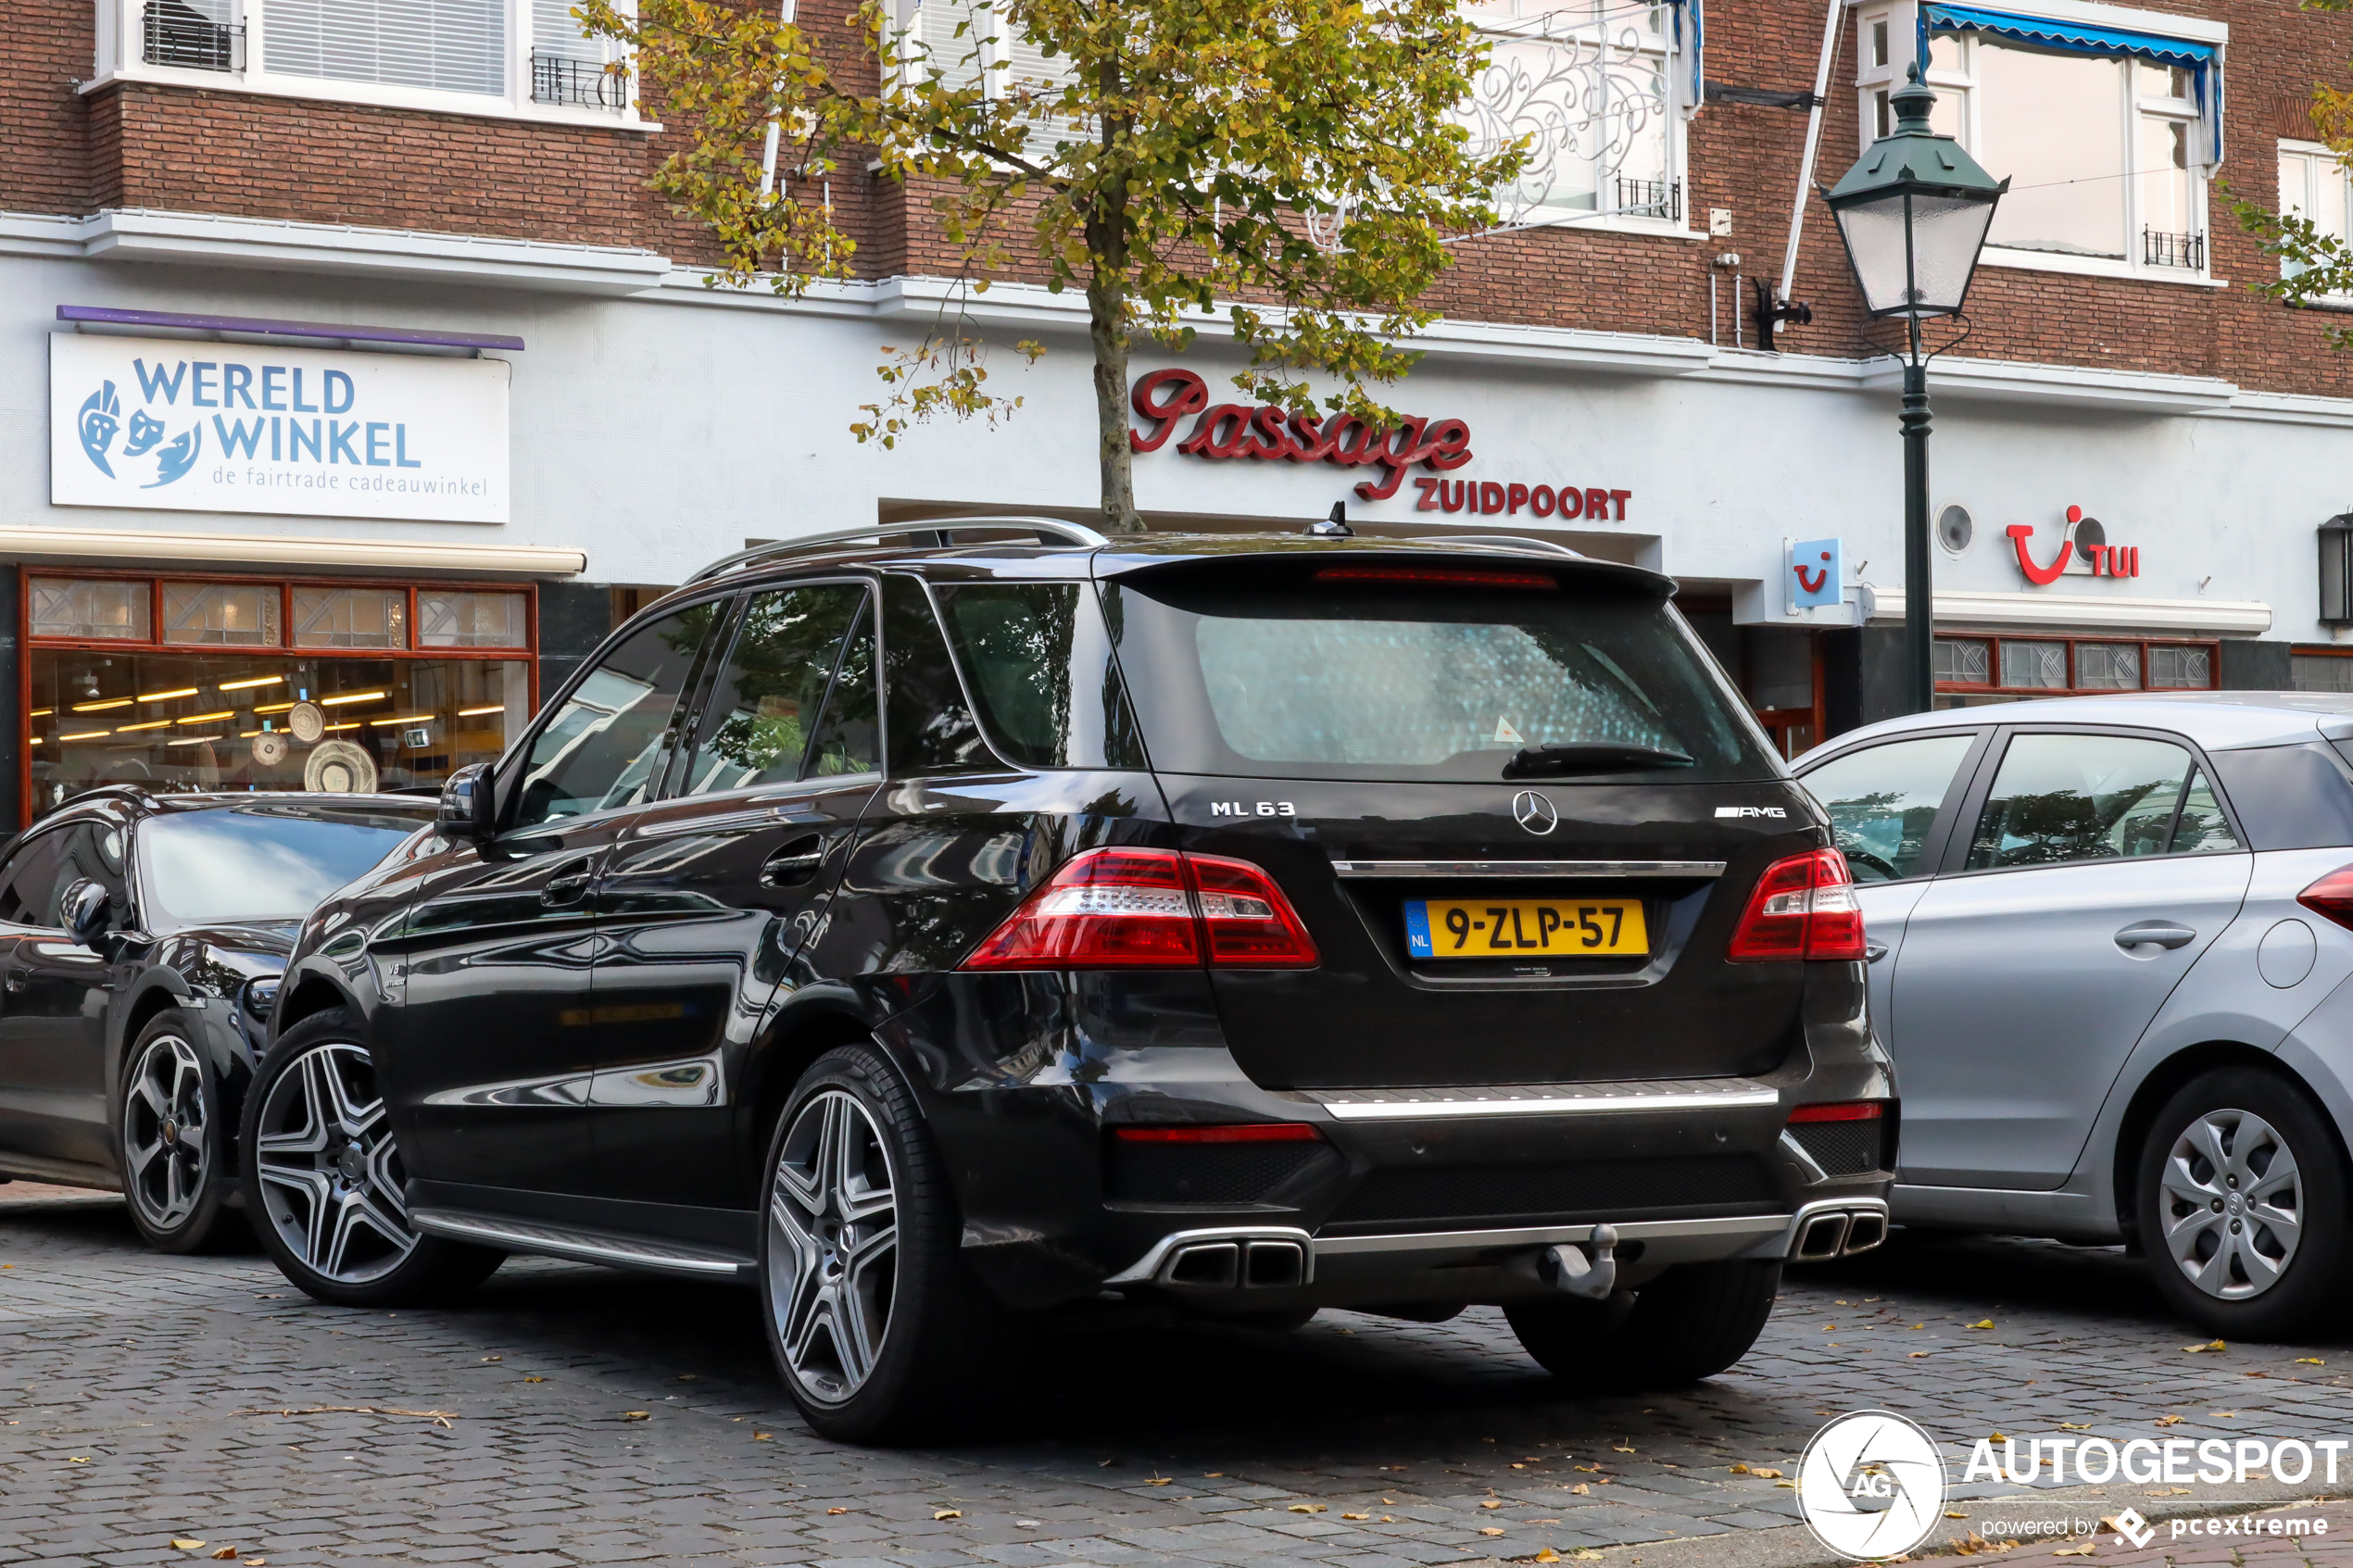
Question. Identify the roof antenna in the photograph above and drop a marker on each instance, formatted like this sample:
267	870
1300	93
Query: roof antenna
1333	527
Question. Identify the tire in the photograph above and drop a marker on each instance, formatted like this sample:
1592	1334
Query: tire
881	1333
2240	1244
173	1138
1690	1322
324	1179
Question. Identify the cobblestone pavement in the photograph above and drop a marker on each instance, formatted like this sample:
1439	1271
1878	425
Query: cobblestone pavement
570	1415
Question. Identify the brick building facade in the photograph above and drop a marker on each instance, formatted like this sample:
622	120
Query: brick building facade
221	177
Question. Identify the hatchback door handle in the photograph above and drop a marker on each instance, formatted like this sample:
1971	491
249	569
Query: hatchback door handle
2164	934
796	862
15	981
1874	951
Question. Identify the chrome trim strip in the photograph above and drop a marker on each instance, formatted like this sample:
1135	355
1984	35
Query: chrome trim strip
1547	1100
1509	870
1736	1229
524	1236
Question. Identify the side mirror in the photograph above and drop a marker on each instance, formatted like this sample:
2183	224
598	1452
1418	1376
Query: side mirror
466	802
88	913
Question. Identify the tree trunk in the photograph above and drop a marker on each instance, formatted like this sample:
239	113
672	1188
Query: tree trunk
1107	330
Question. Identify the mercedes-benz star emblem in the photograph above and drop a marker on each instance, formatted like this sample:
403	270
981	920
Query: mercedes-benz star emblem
1534	812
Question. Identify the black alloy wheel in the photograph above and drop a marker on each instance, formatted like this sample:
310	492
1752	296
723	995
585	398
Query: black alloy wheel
2240	1203
325	1181
173	1138
880	1331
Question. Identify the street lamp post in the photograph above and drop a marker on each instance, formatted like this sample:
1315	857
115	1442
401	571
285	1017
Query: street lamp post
1913	213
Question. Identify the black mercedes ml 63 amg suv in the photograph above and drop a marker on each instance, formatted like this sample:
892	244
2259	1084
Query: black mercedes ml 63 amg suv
929	933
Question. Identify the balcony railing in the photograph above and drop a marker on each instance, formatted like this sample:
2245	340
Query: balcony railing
1650	198
2173	250
172	35
587	84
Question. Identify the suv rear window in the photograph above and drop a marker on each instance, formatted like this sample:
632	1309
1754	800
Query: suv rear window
1384	677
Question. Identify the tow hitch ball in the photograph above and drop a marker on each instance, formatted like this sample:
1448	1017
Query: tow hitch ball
1590	1272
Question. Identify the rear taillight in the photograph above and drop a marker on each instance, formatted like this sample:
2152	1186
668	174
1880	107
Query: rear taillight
1149	908
2332	897
1840	1110
1804	907
1225	1132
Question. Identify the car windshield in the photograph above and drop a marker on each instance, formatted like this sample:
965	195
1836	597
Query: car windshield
1387	673
259	862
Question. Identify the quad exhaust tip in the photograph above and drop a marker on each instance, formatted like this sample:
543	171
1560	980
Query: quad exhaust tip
1838	1234
1244	1264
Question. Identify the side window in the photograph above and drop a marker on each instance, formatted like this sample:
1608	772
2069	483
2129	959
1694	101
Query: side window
29	884
614	736
1040	667
1883	799
764	704
2060	798
848	735
2202	829
931	723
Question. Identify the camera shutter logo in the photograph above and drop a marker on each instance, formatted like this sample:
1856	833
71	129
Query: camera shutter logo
1871	1486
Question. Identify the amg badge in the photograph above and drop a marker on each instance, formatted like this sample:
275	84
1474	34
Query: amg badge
1750	811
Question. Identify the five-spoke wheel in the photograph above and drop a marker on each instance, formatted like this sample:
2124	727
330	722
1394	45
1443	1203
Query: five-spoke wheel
2242	1205
322	1167
833	1245
174	1146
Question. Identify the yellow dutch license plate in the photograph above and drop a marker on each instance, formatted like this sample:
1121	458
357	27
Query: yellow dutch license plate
1497	928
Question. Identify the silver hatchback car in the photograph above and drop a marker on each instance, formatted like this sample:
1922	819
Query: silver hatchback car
2108	942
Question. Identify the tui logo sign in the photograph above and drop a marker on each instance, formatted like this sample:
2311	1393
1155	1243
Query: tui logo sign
2083	547
227	427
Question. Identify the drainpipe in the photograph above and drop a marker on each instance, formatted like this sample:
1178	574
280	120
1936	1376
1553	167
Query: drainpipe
776	127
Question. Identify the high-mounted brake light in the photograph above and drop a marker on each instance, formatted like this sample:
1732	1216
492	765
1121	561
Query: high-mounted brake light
2332	897
1804	907
1840	1110
1230	1132
1149	908
1443	577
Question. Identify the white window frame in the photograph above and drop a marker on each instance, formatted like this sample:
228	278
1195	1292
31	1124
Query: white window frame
119	58
1872	81
2318	165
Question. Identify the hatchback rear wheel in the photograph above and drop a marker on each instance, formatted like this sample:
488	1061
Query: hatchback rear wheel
880	1331
1690	1322
2241	1200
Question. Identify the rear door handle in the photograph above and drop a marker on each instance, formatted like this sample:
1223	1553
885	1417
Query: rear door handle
568	885
796	862
15	981
2164	934
1874	951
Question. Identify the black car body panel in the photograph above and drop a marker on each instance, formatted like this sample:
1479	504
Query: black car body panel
598	1075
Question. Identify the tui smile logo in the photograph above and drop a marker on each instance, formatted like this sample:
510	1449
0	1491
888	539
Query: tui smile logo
144	438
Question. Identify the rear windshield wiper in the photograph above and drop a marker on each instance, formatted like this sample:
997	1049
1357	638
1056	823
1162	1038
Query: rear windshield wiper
1591	756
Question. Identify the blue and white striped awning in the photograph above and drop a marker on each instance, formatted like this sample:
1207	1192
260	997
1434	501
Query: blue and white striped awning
2202	60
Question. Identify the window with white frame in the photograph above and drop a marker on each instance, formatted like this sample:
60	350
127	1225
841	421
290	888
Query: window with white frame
513	57
1590	84
2314	185
2106	154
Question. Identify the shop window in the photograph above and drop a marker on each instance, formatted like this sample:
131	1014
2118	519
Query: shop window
447	619
243	614
214	698
2179	667
2036	665
351	617
2107	156
2321	672
88	610
1958	662
2108	667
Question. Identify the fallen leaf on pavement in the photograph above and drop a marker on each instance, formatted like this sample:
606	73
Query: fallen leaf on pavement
1491	1503
1547	1555
534	1380
2071	1426
2083	1551
1918	1355
1160	1481
1740	1470
2310	1360
1587	1554
1309	1508
2210	1345
1105	1463
494	1357
1581	1490
1623	1447
1355	1516
760	1437
1766	1472
440	1417
2169	1421
938	1514
186	1544
637	1415
837	1511
225	1553
1997	1437
1490	1530
1987	1323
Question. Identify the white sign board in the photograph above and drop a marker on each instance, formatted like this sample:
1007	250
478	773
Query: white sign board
222	426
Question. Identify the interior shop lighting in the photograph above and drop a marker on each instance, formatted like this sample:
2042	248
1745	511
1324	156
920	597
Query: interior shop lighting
206	717
341	698
41	713
193	740
478	712
248	735
86	735
102	707
167	696
37	740
404	719
273	708
250	682
353	725
150	724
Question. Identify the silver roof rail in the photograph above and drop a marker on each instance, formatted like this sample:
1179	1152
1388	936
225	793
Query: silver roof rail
1049	531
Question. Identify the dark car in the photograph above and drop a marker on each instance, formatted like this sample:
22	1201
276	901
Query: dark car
1245	924
141	941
